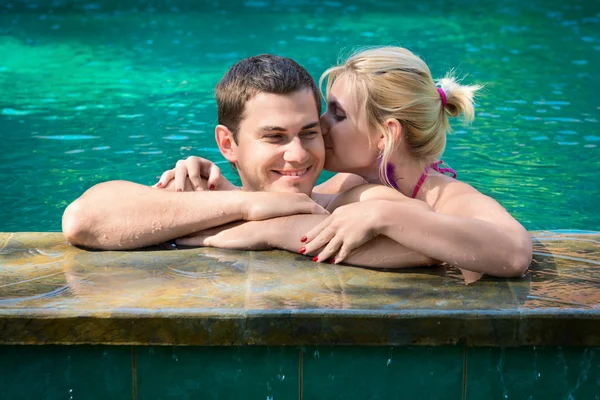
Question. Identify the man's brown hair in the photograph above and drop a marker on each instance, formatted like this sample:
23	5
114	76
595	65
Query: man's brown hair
265	73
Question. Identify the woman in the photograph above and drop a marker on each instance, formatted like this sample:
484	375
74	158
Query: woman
386	123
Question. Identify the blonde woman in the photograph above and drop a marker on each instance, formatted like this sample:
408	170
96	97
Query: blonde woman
386	123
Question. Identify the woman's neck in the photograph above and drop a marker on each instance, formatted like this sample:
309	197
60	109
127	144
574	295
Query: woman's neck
406	174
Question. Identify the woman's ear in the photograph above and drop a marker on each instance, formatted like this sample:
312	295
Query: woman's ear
226	143
393	126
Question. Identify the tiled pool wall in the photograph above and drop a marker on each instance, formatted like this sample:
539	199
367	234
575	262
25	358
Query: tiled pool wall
297	372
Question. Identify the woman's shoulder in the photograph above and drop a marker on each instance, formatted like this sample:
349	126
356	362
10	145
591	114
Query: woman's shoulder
458	197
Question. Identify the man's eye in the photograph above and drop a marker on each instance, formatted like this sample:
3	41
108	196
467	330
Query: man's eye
273	137
310	134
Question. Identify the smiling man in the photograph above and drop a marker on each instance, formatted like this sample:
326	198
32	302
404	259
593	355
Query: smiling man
268	109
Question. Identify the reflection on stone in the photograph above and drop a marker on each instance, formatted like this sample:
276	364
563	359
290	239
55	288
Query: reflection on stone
53	292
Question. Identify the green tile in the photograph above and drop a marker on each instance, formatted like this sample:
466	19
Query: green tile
65	372
382	372
533	373
237	372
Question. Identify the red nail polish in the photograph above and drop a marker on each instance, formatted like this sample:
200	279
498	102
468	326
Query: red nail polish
332	261
303	239
212	187
315	258
179	190
302	250
159	184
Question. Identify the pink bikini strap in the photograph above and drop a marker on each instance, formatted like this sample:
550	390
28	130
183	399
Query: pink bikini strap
436	167
421	180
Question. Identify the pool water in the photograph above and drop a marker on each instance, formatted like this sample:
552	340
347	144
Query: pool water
95	91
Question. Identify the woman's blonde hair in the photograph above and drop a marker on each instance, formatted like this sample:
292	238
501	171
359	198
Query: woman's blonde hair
392	82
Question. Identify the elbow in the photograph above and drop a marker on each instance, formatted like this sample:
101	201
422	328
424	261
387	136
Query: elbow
521	257
74	226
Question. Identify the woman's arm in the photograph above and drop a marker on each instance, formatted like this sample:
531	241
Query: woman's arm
470	231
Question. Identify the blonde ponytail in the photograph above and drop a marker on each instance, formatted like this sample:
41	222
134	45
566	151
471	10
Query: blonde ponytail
459	98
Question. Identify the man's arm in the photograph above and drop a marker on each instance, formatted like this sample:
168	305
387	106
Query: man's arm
120	215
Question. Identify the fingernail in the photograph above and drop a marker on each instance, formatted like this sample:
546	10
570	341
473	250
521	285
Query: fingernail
303	239
332	261
212	187
179	190
302	250
316	258
159	184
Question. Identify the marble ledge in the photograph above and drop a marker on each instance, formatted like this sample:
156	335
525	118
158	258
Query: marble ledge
51	292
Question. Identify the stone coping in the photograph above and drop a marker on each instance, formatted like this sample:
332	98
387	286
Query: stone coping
51	292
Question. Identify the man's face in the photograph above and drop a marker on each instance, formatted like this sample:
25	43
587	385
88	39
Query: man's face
279	145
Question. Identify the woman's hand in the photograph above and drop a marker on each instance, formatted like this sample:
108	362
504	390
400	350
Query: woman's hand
237	236
347	228
266	205
202	173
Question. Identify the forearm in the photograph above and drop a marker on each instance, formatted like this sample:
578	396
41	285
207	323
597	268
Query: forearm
469	243
380	252
124	215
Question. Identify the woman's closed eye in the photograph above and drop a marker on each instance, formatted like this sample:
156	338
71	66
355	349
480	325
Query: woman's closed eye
339	117
337	112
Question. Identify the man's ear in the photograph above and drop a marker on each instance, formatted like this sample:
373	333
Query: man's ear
226	143
393	126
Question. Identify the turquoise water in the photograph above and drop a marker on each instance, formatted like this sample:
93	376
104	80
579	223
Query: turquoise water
122	89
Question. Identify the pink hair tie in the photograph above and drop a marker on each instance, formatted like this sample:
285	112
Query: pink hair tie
442	96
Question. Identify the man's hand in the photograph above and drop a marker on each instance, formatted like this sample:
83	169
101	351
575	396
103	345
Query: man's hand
266	205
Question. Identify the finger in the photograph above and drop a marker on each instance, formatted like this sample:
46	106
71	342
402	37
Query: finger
321	240
332	247
193	241
318	209
310	235
180	175
193	169
343	253
351	243
214	177
165	178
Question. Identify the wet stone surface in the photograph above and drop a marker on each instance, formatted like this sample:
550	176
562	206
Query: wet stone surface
51	292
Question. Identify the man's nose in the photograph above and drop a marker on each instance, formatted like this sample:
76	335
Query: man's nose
296	152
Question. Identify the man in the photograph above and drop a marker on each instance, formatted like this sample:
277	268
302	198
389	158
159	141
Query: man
268	114
268	127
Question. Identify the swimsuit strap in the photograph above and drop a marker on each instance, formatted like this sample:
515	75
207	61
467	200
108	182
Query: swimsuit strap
436	167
